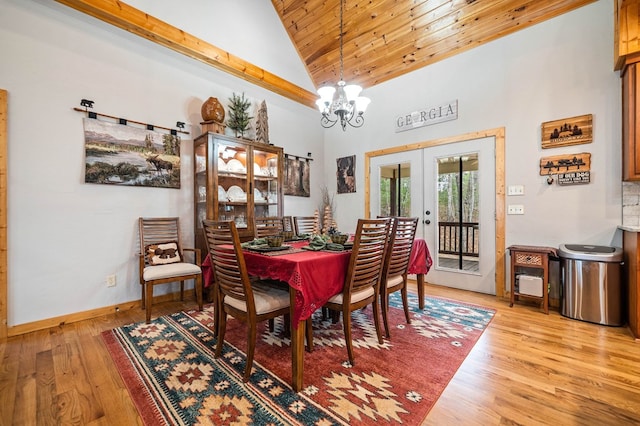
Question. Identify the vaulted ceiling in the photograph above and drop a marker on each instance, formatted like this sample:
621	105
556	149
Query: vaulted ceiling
384	39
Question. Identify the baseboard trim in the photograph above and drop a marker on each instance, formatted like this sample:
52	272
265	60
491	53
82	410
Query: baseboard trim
17	330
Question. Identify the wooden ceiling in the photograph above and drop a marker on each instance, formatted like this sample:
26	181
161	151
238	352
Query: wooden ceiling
384	39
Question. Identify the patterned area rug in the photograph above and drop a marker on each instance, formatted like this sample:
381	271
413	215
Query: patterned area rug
173	379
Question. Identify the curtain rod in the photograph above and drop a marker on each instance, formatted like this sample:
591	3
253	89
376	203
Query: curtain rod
91	114
308	157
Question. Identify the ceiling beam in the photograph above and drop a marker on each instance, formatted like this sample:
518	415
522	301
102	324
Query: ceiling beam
146	26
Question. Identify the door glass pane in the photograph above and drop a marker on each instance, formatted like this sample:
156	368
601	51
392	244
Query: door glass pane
458	227
395	190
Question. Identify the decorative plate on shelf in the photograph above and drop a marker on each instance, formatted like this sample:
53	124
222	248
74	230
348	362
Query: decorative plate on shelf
235	193
235	166
222	166
257	196
222	194
257	170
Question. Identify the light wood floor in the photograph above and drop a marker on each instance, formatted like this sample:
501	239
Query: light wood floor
527	368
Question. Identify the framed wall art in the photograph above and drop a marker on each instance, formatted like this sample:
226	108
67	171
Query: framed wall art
346	174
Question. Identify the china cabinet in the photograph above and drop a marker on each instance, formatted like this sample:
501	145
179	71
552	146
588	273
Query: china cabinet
235	179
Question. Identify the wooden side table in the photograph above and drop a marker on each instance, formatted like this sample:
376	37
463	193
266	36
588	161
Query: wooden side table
533	259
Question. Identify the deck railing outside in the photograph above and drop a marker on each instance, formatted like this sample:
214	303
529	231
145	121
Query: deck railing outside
454	234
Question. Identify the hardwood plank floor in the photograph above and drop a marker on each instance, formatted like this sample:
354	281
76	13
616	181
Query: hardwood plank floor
527	368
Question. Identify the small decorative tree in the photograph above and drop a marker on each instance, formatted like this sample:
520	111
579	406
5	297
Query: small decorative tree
239	118
262	124
327	207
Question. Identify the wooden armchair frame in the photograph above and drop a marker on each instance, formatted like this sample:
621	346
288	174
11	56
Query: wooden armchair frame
160	230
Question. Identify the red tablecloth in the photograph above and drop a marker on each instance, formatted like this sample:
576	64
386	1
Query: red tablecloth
316	275
421	261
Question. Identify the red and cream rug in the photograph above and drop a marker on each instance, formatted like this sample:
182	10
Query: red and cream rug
173	378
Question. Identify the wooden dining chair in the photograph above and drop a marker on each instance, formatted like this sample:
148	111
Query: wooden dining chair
394	274
305	225
162	259
265	226
250	301
362	282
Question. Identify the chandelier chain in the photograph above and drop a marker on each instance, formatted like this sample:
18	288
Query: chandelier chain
342	103
341	42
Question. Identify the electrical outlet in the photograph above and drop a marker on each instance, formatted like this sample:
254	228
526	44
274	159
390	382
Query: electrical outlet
515	209
111	280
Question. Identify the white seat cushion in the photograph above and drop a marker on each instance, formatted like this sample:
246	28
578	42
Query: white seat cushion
170	270
355	297
393	281
267	299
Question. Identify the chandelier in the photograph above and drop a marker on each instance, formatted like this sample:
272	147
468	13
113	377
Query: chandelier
343	104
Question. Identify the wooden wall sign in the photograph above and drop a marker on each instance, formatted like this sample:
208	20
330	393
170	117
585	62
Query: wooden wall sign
427	116
565	164
567	131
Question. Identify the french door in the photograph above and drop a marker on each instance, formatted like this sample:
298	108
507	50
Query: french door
459	214
451	188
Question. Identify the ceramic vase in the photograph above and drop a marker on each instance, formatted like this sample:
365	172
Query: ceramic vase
212	110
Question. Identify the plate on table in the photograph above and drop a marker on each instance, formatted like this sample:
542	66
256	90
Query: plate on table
266	248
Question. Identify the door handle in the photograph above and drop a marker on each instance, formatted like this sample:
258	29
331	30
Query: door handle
428	212
427	221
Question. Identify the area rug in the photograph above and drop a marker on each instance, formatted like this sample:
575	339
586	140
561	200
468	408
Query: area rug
173	378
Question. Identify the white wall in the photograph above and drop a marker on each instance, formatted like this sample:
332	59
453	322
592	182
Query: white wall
65	236
558	69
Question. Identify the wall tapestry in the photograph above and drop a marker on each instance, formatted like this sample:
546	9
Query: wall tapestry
297	177
567	131
346	174
118	154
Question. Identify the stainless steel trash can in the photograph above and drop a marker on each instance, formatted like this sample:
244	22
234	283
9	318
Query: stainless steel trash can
591	287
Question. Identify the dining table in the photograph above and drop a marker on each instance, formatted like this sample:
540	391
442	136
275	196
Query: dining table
313	276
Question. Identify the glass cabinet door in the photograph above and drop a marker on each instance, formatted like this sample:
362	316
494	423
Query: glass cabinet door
201	202
265	184
232	183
